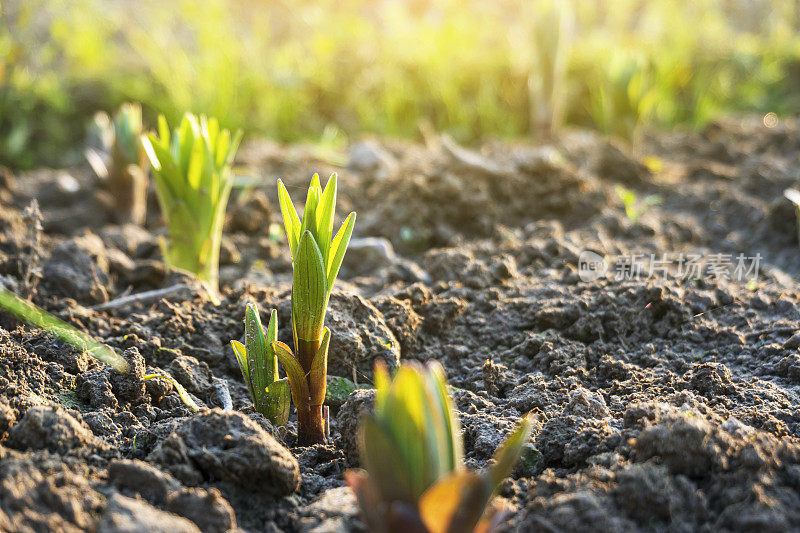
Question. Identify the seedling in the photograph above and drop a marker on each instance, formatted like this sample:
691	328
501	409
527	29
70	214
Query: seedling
192	170
38	317
316	260
182	393
259	366
634	207
121	162
412	451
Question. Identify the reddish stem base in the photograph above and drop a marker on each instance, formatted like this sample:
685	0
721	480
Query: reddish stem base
310	426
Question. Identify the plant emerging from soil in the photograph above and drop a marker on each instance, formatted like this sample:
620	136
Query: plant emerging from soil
411	449
38	317
192	170
316	258
121	162
634	206
259	366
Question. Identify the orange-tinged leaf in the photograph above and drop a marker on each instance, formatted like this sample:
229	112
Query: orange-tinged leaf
297	378
455	503
241	357
319	369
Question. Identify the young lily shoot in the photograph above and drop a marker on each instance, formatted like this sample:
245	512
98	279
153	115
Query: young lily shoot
411	449
316	258
259	366
192	170
120	161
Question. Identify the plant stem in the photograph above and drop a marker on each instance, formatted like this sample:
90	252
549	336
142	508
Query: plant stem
310	425
310	422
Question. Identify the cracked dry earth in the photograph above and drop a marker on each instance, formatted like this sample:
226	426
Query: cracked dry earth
664	403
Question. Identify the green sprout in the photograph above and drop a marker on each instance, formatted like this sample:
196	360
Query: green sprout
121	162
192	169
412	451
634	207
182	393
259	366
316	258
38	317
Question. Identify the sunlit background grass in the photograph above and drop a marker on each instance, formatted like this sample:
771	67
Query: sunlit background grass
337	69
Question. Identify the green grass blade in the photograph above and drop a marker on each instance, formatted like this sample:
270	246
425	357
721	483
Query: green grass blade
257	356
40	318
279	396
163	132
454	445
234	146
184	141
240	351
325	214
509	451
385	463
309	220
184	396
222	145
272	336
196	164
338	248
315	182
291	222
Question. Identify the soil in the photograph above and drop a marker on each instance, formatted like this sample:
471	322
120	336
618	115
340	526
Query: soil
670	402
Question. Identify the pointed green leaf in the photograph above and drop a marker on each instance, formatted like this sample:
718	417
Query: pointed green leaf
454	503
309	291
149	142
291	222
261	368
338	248
452	428
163	131
234	146
382	458
184	396
404	418
222	144
309	220
315	182
325	213
165	172
295	374
196	166
278	398
185	139
509	451
241	358
317	383
210	129
272	327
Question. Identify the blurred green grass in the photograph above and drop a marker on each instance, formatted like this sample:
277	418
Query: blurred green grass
475	69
